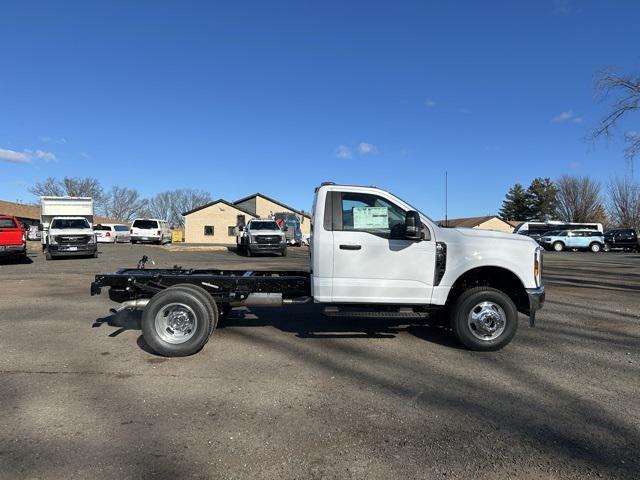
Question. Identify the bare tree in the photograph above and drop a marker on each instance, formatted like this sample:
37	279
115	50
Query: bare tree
578	199
625	90
122	203
172	204
624	203
71	186
49	187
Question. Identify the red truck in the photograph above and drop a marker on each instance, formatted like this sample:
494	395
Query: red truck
13	238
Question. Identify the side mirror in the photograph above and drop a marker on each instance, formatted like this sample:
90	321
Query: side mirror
413	226
240	228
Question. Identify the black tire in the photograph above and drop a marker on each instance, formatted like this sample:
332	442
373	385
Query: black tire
205	297
470	300
558	246
248	252
133	241
595	247
188	299
607	247
284	252
47	255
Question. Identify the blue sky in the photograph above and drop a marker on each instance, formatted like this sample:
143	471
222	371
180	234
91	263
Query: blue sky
238	97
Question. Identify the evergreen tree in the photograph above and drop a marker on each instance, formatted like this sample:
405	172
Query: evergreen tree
542	198
516	205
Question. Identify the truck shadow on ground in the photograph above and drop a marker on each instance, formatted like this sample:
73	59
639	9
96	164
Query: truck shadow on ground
10	260
307	322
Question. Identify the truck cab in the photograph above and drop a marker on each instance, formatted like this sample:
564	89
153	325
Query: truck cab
370	247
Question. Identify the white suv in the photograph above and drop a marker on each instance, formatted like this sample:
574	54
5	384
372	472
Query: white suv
150	230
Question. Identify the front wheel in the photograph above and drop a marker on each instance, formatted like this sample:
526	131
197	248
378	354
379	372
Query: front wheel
595	247
484	319
284	252
558	246
176	322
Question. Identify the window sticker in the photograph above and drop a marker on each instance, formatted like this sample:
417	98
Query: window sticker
367	218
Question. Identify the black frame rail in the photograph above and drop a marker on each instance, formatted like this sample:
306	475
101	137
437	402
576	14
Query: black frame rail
223	285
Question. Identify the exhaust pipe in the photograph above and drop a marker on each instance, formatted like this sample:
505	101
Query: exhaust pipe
131	304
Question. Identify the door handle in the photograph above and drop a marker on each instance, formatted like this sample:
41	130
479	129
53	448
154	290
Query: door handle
350	247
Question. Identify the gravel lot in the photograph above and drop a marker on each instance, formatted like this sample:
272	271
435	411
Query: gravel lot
287	393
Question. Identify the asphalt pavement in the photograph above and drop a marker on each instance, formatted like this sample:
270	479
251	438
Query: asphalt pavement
287	393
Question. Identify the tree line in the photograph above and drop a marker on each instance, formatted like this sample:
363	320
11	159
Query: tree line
123	203
575	199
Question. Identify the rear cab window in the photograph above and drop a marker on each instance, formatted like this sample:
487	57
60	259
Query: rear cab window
8	223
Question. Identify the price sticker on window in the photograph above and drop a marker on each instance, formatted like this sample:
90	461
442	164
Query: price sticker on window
370	218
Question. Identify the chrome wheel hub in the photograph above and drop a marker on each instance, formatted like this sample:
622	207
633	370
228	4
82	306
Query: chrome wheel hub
487	321
176	323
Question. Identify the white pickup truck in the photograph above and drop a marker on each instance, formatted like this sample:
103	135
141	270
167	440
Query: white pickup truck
369	250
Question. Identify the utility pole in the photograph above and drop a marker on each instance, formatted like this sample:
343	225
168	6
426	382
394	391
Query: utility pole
446	198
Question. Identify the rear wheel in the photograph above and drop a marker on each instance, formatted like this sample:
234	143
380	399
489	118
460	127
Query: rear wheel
595	247
558	246
484	319
205	297
176	322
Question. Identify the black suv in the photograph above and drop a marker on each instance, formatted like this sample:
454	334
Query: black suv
623	238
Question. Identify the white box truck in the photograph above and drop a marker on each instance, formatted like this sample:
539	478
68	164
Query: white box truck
67	227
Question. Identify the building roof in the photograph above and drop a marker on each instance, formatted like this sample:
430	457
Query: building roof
258	194
32	212
220	200
469	222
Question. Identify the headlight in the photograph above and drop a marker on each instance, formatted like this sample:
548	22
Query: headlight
537	266
92	239
52	240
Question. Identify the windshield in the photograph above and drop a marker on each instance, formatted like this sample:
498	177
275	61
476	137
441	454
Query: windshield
264	226
69	223
146	224
7	223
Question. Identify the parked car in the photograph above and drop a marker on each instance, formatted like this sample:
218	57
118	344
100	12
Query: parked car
621	238
150	230
261	236
573	239
112	233
13	238
34	233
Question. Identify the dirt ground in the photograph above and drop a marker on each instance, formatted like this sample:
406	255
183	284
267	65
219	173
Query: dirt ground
287	393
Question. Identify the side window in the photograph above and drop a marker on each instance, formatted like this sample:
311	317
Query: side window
208	230
369	213
231	231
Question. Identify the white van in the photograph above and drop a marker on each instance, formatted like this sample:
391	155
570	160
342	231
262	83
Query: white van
112	233
150	230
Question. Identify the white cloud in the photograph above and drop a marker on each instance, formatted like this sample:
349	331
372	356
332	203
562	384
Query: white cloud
25	157
366	148
343	152
429	103
569	115
46	156
14	157
84	154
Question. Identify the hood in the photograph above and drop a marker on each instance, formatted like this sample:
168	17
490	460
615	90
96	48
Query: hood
491	234
71	231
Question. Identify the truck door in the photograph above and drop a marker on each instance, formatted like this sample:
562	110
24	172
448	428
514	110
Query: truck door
372	260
